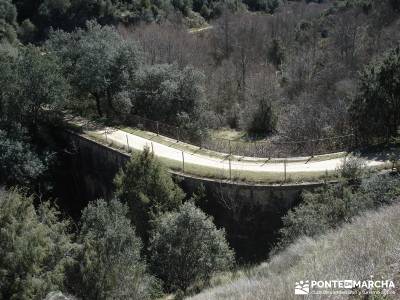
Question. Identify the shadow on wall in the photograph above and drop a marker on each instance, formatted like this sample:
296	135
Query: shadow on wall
250	214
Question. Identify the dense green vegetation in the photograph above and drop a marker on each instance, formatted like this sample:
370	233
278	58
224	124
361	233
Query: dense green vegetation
186	249
102	257
111	266
376	110
296	79
36	248
98	64
148	190
32	92
32	19
19	164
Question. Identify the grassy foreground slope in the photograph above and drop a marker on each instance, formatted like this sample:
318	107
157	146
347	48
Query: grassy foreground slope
368	246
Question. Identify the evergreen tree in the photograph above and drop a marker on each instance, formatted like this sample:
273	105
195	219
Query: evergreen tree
110	263
186	248
148	190
8	21
32	87
164	92
19	164
35	248
375	112
98	62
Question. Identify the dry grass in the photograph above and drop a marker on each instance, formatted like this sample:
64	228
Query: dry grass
368	246
229	134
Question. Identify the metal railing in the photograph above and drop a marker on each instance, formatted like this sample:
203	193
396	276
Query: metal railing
256	148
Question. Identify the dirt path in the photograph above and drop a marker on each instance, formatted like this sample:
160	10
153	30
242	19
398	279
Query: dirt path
293	165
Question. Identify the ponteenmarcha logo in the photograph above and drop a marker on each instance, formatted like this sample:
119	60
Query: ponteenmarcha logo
306	287
302	288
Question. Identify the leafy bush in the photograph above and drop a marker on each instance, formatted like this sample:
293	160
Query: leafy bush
164	92
381	189
19	164
352	169
375	112
331	206
27	31
33	87
35	248
110	264
98	62
259	118
8	21
148	190
186	248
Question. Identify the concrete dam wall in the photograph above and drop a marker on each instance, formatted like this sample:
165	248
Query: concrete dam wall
250	213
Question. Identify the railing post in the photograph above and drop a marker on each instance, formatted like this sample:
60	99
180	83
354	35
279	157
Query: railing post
183	162
284	167
230	169
313	142
230	147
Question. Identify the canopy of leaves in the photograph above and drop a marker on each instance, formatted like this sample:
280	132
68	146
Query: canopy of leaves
35	248
67	15
148	190
8	21
71	14
19	163
32	87
186	248
167	93
259	118
376	109
110	264
97	61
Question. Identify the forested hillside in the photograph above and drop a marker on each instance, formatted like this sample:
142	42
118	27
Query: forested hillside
307	71
32	19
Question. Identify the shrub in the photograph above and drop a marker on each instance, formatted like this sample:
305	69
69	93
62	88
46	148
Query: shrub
186	248
259	118
27	31
375	112
35	248
352	169
110	262
148	190
19	164
331	206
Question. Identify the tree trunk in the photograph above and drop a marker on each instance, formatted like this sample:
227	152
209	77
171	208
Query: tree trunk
98	105
109	101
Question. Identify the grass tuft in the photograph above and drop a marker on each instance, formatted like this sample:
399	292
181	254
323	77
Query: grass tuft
368	246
